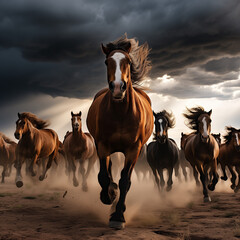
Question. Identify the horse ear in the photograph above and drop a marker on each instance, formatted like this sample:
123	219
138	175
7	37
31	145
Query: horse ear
210	112
19	115
128	47
80	113
182	134
71	113
105	49
154	114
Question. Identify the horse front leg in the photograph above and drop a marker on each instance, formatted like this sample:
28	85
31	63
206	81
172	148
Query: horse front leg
117	219
215	176
233	178
169	182
223	167
18	166
82	171
238	185
3	173
203	180
48	165
162	182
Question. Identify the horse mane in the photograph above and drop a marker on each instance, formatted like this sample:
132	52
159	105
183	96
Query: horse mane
141	65
228	137
37	122
192	115
6	139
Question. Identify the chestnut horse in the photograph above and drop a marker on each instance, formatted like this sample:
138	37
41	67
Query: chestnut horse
229	155
7	155
79	146
35	143
163	153
120	118
201	149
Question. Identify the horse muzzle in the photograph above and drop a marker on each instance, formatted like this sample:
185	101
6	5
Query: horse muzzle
118	90
204	139
17	135
161	139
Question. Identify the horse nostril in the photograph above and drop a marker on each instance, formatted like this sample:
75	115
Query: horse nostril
111	86
123	86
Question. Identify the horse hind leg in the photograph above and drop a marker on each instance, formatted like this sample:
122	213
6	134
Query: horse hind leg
47	166
3	173
82	171
238	185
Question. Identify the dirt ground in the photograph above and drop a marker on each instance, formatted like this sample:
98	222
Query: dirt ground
38	210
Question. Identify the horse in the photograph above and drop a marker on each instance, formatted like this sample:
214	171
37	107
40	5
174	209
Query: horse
163	152
200	148
35	143
229	156
218	138
79	147
142	166
7	155
120	118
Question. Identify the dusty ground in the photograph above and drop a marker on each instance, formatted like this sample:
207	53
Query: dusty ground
39	211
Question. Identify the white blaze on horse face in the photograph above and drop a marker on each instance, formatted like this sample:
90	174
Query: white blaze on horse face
118	74
205	129
161	128
237	139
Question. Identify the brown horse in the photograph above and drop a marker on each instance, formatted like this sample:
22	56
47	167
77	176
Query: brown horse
201	149
35	142
120	118
79	146
7	155
229	155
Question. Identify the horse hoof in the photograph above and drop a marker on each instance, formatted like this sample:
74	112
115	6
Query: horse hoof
75	183
211	187
85	188
207	199
19	184
233	186
41	178
224	178
117	225
236	190
168	188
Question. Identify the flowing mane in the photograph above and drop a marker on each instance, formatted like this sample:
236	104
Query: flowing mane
192	116
170	118
37	122
228	137
141	65
6	139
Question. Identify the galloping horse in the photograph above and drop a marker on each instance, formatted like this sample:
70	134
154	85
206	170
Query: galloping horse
7	155
163	153
200	148
120	118
79	146
35	142
229	155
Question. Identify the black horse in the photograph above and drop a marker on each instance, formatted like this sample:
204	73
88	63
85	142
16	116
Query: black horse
163	152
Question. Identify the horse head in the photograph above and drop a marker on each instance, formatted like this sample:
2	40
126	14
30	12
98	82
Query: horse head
235	136
183	140
118	64
163	121
76	121
21	126
204	126
217	138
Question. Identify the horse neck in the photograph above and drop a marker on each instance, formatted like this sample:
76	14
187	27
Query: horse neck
30	131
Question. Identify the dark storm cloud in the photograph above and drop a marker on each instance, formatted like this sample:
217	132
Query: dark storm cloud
54	46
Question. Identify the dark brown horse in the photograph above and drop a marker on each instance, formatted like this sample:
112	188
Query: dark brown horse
35	143
79	147
163	153
229	155
7	155
120	118
200	148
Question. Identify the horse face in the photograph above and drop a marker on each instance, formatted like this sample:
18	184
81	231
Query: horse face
204	123
21	128
76	121
118	72
236	140
161	126
217	138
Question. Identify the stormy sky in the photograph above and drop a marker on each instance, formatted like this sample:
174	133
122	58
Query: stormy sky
50	52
